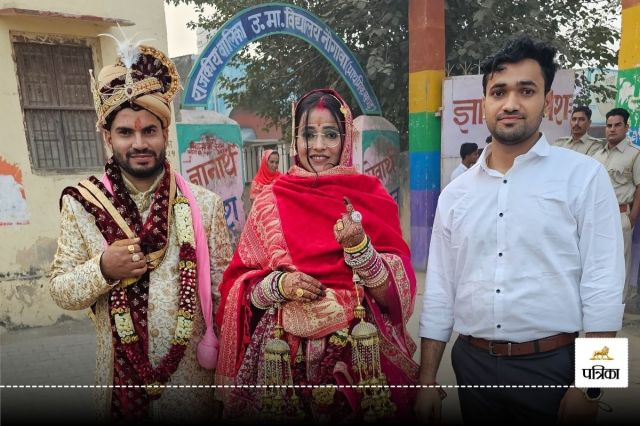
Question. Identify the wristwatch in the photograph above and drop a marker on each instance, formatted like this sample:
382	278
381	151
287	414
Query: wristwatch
592	394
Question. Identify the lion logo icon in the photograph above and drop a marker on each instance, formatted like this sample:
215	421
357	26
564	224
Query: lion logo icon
602	354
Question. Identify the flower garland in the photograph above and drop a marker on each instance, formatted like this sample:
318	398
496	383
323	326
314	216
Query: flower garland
154	378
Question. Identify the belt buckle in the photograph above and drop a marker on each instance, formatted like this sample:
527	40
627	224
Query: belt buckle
492	353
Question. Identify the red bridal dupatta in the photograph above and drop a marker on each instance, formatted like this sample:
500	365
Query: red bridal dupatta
290	228
264	176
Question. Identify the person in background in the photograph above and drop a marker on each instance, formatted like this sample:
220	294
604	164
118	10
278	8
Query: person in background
621	158
580	141
469	156
267	172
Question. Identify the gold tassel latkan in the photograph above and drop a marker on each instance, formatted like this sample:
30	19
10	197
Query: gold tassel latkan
276	403
365	349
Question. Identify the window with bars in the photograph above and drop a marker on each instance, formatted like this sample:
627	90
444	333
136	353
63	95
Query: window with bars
58	106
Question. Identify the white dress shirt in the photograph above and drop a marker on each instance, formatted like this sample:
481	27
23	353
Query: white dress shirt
526	255
458	171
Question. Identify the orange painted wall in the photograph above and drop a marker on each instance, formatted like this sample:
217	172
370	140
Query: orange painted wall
251	120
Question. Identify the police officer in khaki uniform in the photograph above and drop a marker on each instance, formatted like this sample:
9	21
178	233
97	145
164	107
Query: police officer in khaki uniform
621	158
579	140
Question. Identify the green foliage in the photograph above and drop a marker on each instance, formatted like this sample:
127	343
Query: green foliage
583	32
281	68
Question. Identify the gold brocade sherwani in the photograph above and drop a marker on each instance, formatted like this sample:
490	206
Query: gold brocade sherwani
585	145
623	165
77	283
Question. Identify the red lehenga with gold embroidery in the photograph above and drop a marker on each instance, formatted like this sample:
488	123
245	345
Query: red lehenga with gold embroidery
290	229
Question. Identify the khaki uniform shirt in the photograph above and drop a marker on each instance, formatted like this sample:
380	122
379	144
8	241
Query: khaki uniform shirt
623	165
584	145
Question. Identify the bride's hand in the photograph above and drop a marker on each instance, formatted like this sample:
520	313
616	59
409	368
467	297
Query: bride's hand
348	229
301	287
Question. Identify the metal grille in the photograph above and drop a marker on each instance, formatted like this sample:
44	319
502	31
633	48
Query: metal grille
57	105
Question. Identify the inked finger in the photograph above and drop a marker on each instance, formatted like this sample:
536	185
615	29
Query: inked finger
347	203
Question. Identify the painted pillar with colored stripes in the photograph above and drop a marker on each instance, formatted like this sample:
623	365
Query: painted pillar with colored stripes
426	74
628	85
628	97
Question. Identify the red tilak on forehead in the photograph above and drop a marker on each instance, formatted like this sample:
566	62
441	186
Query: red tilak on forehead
321	104
138	124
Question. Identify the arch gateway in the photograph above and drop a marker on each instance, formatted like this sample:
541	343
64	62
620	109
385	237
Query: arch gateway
210	148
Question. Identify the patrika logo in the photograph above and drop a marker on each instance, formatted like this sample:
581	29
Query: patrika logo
602	354
602	362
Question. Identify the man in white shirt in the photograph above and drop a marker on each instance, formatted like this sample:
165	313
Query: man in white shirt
526	251
469	155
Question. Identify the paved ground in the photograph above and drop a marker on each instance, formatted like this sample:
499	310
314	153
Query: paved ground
64	354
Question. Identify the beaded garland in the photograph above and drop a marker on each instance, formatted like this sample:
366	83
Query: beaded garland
154	377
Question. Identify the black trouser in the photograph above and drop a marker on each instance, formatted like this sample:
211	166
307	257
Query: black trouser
475	366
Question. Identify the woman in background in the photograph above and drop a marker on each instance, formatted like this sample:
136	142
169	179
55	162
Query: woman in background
267	173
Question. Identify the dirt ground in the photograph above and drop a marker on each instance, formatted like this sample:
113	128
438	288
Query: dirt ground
64	354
